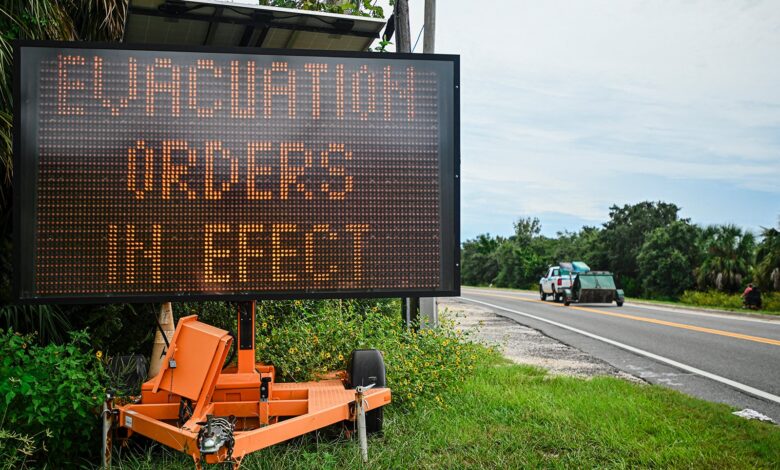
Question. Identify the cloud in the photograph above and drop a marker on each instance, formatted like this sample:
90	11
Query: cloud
568	107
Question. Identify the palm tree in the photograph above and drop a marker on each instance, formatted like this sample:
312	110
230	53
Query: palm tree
767	273
66	20
728	258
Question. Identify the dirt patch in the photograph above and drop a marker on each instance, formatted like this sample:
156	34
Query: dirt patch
524	345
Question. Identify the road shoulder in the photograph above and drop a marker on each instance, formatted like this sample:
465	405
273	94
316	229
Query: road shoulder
644	303
523	345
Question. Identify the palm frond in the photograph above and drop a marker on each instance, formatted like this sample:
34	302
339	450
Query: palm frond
48	322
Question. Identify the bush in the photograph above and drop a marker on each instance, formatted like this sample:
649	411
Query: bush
771	301
711	298
51	396
666	260
717	299
305	339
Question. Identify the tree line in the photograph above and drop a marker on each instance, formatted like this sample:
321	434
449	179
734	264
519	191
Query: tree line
651	250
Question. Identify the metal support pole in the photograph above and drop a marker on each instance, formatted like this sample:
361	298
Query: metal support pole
410	310
362	436
246	337
108	418
429	312
360	412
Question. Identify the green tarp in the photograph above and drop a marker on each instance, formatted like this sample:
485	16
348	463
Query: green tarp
596	281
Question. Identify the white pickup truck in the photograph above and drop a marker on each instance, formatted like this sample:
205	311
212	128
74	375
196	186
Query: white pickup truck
553	284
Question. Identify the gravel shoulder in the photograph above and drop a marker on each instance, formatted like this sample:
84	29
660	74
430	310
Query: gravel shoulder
524	345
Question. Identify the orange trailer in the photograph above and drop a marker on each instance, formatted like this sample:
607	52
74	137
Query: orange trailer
216	415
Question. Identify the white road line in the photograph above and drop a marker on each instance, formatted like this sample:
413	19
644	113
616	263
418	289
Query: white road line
684	311
642	352
670	309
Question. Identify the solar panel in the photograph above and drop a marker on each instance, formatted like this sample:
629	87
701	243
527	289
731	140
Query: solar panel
245	23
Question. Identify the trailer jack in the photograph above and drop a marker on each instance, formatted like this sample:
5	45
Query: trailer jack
236	411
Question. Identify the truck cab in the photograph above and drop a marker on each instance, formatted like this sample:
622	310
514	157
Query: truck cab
554	282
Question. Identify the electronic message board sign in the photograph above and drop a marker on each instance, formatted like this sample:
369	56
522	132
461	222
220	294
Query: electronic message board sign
148	174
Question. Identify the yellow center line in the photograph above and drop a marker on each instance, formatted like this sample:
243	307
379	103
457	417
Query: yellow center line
684	326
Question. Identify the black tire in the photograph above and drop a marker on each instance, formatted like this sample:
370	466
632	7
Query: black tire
557	297
366	367
566	302
619	303
542	295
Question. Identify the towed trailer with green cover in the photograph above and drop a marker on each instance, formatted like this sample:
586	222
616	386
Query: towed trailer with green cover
593	287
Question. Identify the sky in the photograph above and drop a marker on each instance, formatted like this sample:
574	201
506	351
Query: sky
569	107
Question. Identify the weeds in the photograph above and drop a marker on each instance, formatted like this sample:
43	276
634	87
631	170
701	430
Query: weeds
716	299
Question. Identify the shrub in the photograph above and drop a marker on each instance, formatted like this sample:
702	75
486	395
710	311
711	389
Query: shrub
711	298
305	339
52	393
772	302
717	299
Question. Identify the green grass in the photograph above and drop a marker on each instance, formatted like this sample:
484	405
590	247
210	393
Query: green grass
673	303
510	416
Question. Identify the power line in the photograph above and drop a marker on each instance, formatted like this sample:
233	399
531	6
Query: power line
418	37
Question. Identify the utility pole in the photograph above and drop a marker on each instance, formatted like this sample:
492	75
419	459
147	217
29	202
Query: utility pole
429	35
402	33
410	306
429	312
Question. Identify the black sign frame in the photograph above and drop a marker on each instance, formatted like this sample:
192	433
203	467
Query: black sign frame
25	172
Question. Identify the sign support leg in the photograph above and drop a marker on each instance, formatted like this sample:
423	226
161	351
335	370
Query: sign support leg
429	313
410	310
246	337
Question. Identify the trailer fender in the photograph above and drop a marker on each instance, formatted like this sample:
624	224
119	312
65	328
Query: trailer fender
619	297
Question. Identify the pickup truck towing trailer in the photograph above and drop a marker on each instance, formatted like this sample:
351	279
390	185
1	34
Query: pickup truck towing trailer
559	278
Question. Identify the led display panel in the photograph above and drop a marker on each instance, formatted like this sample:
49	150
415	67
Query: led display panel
151	174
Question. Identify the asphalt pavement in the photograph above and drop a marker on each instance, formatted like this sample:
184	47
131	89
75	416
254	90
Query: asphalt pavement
724	358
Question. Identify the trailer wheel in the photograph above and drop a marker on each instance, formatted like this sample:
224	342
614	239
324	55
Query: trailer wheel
566	301
367	367
619	303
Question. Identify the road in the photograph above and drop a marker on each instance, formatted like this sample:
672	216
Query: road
723	358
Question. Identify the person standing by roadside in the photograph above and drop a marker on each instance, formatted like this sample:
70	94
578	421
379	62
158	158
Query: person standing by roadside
747	291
